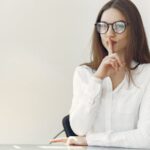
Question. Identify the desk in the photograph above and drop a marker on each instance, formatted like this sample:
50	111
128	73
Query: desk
56	147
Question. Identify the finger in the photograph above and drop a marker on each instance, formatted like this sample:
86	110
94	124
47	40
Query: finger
114	65
62	140
111	63
72	140
110	47
117	58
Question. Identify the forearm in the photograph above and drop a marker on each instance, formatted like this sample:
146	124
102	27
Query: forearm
83	117
137	138
83	113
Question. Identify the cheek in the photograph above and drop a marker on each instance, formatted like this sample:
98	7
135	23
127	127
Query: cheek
123	37
123	40
103	41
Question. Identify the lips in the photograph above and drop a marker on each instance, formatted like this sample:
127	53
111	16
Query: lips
113	42
111	45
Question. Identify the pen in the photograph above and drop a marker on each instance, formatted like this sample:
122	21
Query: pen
57	135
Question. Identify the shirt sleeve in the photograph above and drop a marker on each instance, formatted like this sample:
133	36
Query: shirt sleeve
86	99
136	138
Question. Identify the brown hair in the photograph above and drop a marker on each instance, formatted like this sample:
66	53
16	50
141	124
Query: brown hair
137	48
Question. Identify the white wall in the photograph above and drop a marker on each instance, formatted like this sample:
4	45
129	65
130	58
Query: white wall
41	42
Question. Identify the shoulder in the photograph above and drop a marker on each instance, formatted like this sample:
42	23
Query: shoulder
142	73
83	72
84	69
144	68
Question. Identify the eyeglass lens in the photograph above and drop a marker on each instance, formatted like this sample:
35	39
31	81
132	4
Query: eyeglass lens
118	27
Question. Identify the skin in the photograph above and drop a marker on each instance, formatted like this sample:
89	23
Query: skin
121	39
72	140
112	65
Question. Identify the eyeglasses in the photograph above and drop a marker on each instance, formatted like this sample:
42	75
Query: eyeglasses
118	27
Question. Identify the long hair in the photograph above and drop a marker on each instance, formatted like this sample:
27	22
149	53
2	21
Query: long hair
137	47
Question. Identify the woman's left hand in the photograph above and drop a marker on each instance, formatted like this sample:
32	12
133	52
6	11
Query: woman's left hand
72	140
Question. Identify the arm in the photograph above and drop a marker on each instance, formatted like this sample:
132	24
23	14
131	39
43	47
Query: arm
87	89
136	138
86	99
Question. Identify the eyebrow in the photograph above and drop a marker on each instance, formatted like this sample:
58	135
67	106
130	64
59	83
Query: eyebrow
113	22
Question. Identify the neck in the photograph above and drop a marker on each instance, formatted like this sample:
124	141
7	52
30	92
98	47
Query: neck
117	77
121	56
119	74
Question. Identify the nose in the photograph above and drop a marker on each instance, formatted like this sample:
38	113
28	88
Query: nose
110	32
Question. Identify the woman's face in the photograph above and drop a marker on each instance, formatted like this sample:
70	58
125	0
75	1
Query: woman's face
118	41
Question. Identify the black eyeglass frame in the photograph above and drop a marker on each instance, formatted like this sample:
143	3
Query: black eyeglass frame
112	24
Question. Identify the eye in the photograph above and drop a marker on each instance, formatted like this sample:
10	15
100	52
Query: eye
119	26
102	27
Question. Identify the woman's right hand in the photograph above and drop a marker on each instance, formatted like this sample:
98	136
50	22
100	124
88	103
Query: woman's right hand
110	64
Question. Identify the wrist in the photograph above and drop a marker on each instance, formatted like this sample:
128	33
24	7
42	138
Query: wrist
99	76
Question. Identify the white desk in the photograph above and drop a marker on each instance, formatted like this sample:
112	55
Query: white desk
56	147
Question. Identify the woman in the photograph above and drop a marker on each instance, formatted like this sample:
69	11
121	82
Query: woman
111	100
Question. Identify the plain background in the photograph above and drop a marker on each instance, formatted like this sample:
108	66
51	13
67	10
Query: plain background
41	43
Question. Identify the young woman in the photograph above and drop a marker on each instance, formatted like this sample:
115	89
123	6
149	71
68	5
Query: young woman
111	94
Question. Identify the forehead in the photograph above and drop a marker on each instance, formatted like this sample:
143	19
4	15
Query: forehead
111	15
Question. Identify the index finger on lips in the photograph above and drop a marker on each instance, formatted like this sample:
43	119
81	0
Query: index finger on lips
110	47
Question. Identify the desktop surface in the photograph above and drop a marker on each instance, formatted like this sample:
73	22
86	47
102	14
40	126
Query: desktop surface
56	147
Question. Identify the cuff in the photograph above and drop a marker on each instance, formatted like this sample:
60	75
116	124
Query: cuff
98	80
98	139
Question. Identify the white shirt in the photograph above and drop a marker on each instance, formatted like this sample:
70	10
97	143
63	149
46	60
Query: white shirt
107	117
